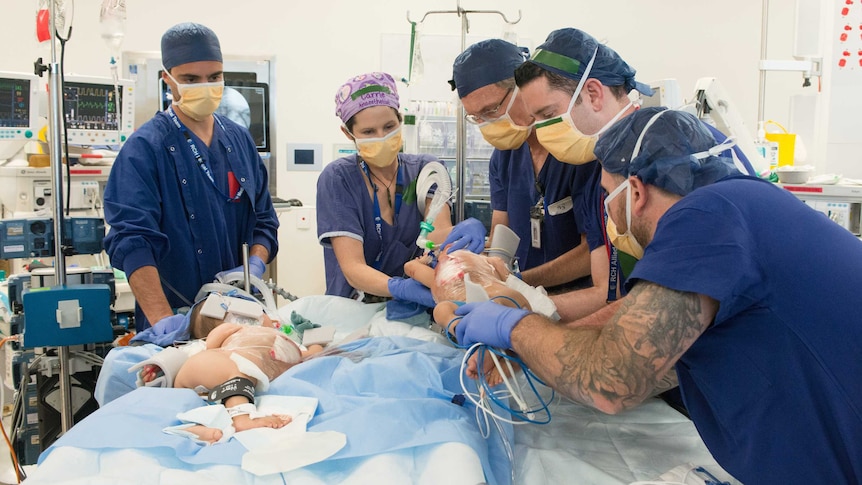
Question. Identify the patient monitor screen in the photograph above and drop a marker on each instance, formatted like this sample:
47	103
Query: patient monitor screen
90	106
14	103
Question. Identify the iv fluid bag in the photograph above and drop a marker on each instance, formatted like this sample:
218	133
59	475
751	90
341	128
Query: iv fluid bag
113	22
43	16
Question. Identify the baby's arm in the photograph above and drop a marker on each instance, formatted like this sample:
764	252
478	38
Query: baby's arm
419	270
218	335
311	350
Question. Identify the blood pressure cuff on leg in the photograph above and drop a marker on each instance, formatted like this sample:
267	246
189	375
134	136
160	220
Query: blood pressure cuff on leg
237	386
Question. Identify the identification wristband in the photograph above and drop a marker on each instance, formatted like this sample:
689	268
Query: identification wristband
241	409
237	386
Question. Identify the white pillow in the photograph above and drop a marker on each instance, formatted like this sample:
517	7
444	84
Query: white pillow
345	314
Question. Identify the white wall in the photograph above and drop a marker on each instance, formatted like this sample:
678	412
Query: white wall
319	44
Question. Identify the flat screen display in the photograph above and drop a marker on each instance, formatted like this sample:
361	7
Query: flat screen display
90	106
244	101
15	103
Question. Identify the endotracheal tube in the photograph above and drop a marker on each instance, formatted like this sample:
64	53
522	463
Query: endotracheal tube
432	174
427	226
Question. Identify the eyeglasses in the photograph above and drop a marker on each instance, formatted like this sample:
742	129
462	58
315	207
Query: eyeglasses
488	114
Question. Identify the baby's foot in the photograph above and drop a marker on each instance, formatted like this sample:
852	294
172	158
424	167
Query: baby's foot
275	421
492	374
204	433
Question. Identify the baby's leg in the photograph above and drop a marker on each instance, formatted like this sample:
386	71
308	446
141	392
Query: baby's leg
209	369
444	314
492	374
506	296
245	421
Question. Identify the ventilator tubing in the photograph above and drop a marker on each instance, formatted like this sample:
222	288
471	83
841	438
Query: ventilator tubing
433	173
224	286
504	244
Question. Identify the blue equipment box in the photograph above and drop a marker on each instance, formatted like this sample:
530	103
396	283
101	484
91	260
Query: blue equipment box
34	238
61	316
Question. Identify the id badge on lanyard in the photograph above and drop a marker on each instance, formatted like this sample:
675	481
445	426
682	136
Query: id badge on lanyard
537	218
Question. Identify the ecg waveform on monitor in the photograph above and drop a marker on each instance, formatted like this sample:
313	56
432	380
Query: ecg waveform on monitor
14	103
90	106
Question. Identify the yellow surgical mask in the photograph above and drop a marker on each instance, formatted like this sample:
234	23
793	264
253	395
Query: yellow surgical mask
380	152
198	100
503	133
565	142
625	242
563	139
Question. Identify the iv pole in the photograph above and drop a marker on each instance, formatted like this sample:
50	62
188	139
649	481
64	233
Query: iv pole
461	127
55	114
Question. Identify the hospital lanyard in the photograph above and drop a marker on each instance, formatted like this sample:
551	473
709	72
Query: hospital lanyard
378	219
540	188
613	256
197	154
537	212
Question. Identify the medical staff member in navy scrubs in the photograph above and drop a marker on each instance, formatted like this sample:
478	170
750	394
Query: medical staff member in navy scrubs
367	216
533	193
748	294
576	89
188	189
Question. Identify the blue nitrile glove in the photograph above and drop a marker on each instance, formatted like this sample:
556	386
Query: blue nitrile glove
166	331
408	289
468	234
487	322
256	267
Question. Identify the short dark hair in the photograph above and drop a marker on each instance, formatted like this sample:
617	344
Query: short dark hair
352	120
529	71
200	326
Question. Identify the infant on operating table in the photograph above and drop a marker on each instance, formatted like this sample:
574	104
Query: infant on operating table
489	273
447	285
238	359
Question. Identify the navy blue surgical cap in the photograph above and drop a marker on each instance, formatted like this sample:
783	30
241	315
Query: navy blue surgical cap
189	42
665	159
568	51
484	63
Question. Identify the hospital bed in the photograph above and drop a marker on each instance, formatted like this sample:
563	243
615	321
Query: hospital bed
391	396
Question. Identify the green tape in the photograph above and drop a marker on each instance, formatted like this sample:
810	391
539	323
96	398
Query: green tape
373	88
552	121
557	61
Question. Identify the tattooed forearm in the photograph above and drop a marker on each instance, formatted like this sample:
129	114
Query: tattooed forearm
669	381
621	365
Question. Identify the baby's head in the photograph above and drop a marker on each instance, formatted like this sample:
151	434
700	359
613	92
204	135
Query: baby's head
200	325
211	312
